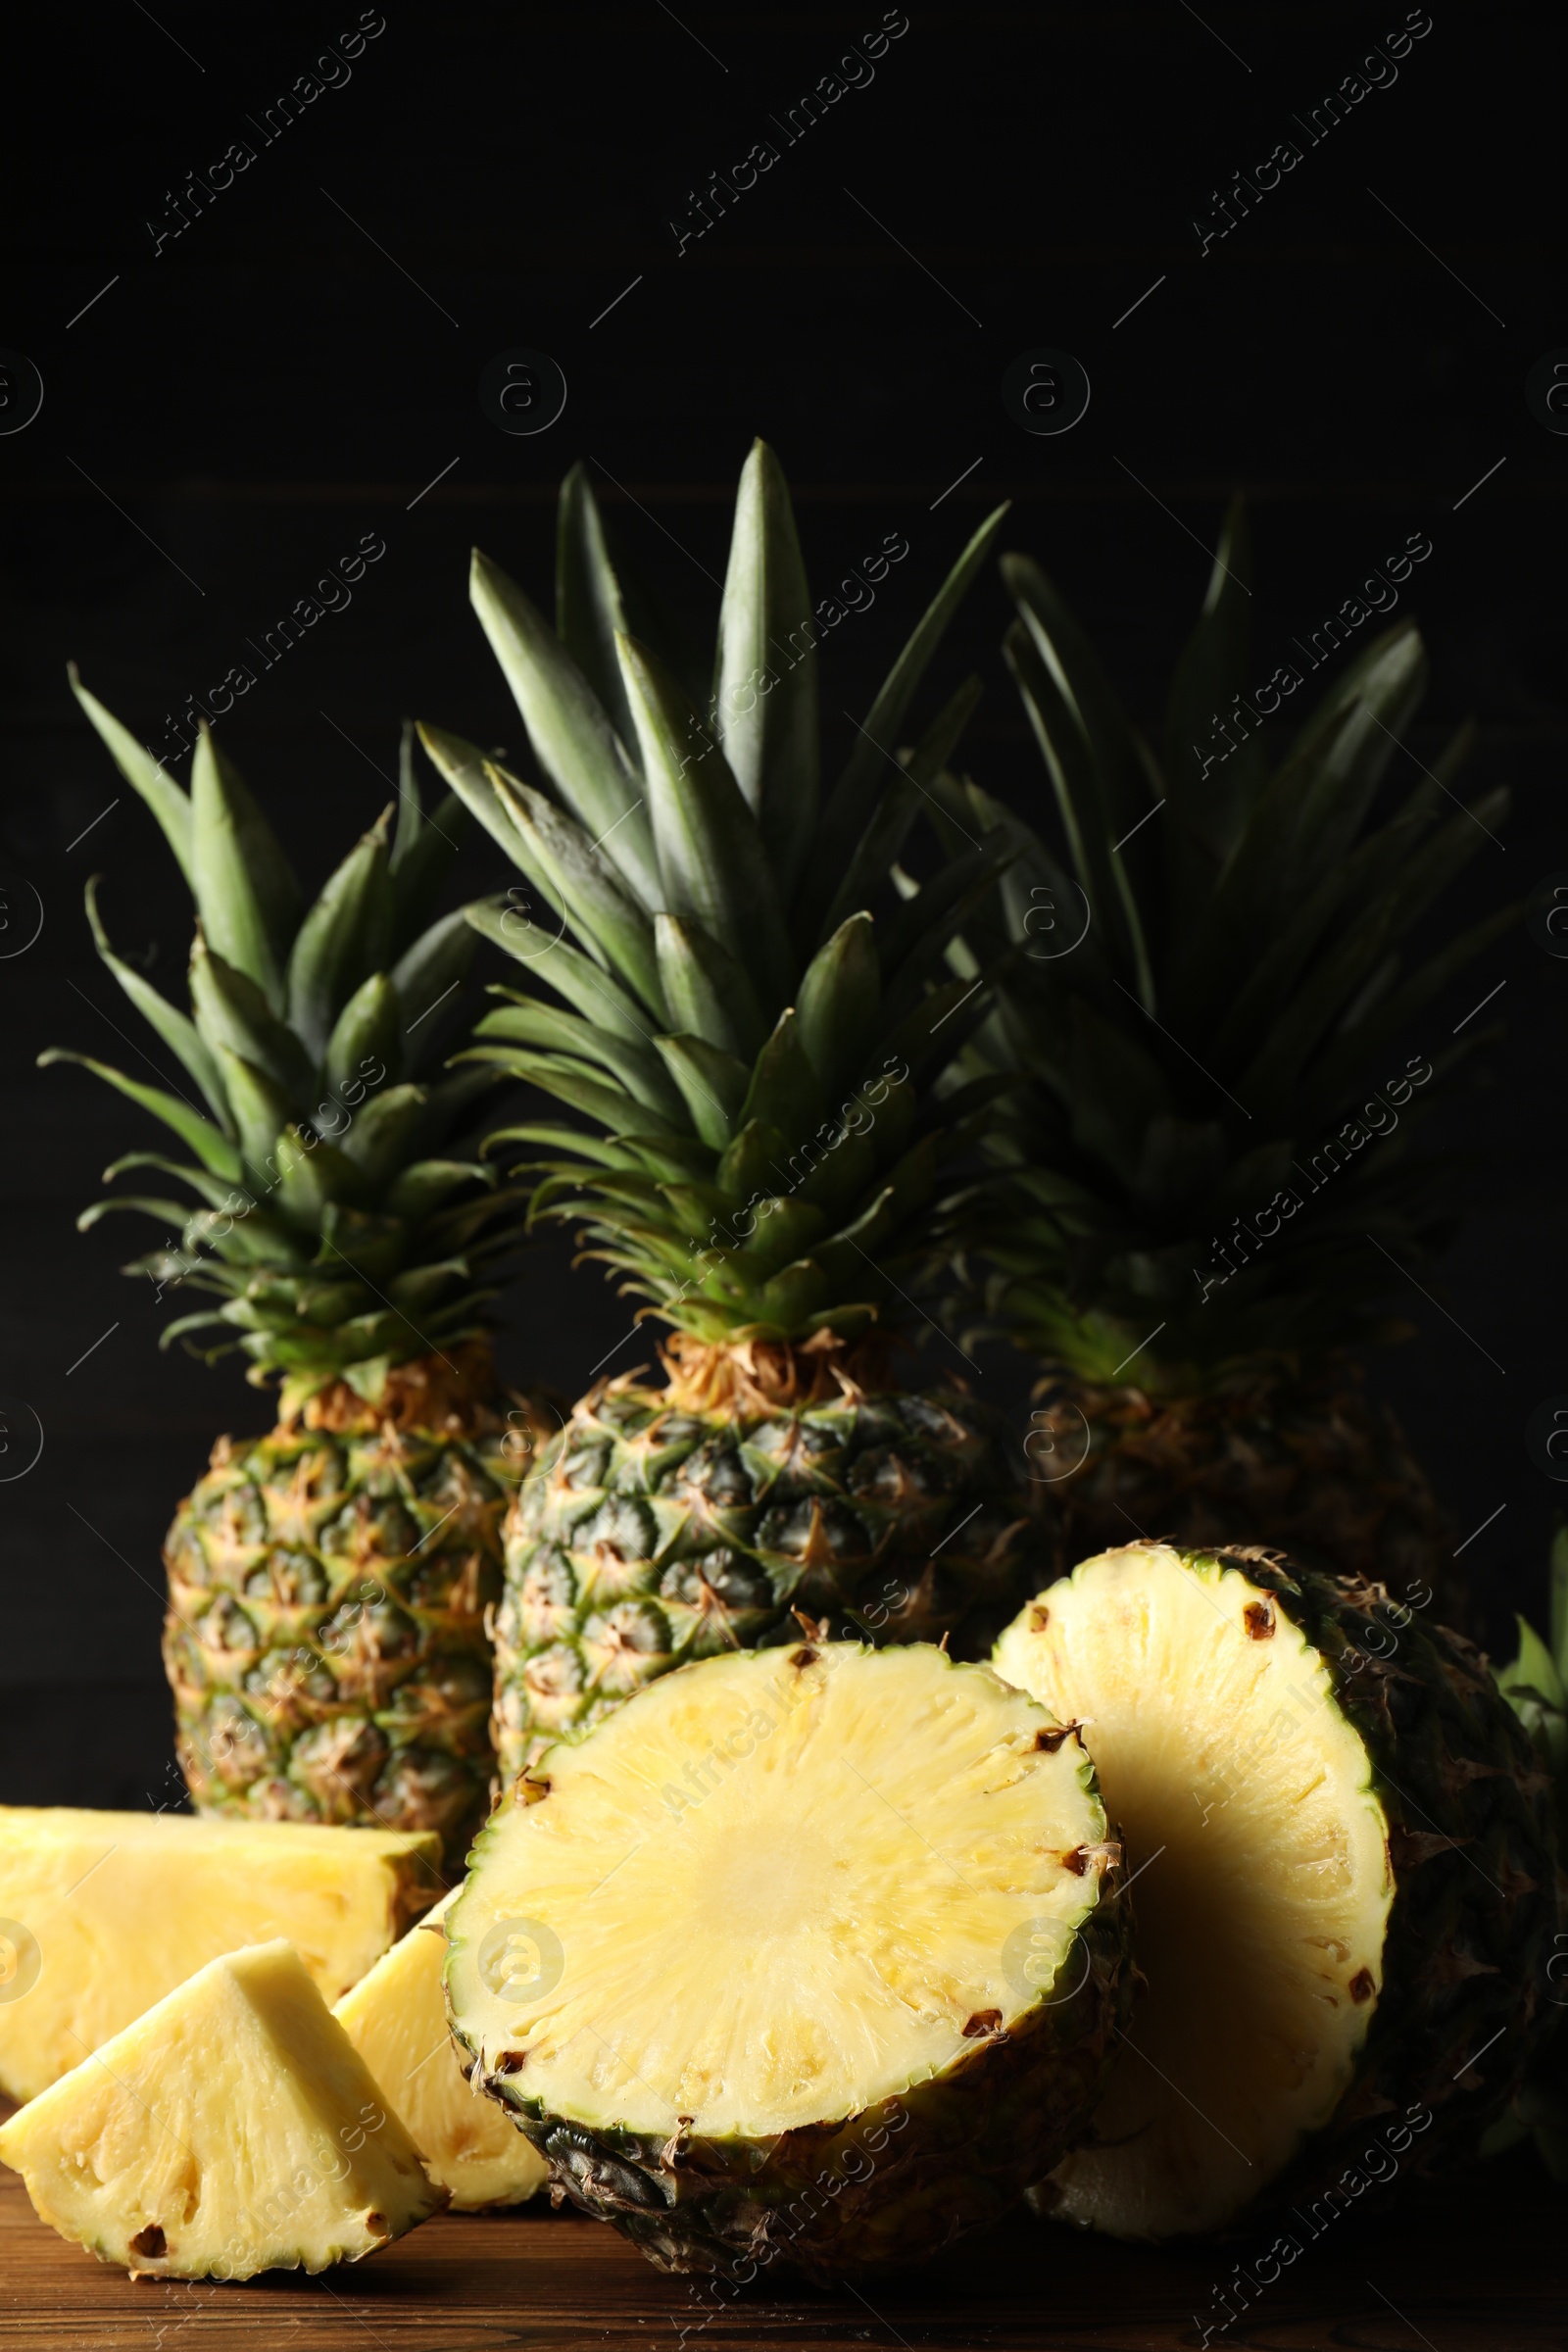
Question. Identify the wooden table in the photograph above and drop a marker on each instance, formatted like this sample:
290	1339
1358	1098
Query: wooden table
1480	2266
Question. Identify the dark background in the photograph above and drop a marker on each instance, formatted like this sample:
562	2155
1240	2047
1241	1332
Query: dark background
230	415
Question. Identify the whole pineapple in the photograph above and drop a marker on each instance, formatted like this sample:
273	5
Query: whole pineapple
329	1582
1214	1185
759	1053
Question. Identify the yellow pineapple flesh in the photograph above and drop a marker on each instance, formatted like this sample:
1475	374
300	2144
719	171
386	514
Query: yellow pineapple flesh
101	1914
396	2018
231	2129
1262	1911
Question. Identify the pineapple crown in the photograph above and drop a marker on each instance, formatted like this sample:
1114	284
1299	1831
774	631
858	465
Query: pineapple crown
338	1240
759	1049
1213	1134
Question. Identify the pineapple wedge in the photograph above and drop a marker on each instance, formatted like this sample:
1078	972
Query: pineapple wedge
101	1914
232	2129
396	2018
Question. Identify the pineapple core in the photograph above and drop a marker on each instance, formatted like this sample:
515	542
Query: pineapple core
232	2129
1264	1885
396	2018
116	1909
774	1889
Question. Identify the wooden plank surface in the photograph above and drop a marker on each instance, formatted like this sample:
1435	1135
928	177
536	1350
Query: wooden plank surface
1480	2266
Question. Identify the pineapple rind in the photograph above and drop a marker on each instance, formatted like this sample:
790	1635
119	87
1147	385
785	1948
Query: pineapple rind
964	2145
1303	1450
1476	1896
231	2129
125	1906
396	2018
1474	1923
901	1517
888	2157
326	1639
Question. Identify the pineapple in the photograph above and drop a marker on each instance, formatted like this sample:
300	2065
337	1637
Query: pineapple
327	1582
1536	1686
232	2129
1212	1183
804	1955
1346	1873
759	1048
106	1912
396	2020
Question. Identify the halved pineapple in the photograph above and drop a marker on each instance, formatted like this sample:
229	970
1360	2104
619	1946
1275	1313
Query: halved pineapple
396	2020
804	1954
1345	1877
232	2129
101	1914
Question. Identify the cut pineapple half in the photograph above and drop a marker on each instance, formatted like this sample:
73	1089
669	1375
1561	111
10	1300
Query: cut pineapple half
1264	1889
1347	1877
232	2129
801	1954
396	2018
101	1914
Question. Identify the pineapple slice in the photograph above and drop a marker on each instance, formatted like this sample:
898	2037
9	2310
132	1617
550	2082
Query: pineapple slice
396	2020
801	1955
1346	1880
101	1914
232	2129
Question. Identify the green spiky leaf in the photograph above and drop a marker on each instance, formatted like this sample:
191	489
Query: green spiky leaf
245	890
574	740
765	682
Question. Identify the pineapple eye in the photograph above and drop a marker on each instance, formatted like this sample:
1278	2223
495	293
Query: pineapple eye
228	1630
584	1466
723	1575
714	1479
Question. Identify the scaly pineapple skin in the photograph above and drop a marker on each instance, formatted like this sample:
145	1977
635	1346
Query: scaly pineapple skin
1310	1458
326	1639
885	2185
1480	1898
882	2190
896	1516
